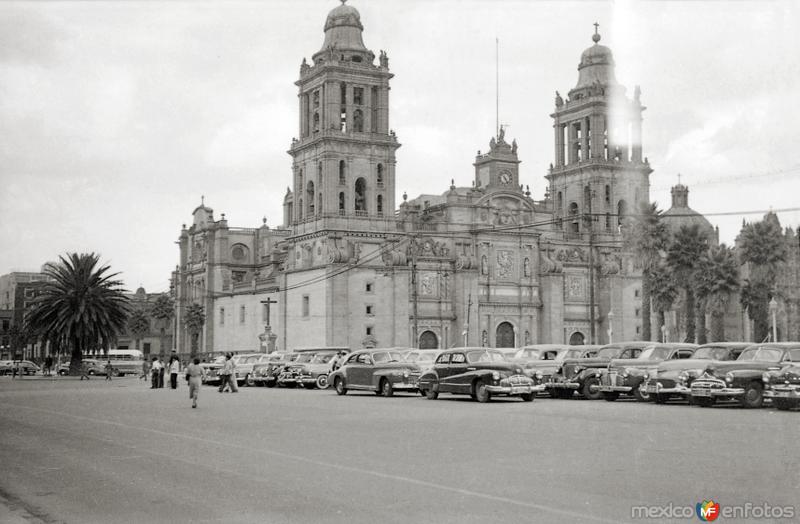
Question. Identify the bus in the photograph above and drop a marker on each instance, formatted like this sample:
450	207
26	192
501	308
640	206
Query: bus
123	361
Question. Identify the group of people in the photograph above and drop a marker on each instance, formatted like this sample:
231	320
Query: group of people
158	370
227	375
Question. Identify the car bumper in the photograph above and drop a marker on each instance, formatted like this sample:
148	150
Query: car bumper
562	385
614	389
792	392
719	392
521	389
652	388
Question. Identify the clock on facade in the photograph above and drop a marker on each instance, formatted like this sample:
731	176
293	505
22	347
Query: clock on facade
505	178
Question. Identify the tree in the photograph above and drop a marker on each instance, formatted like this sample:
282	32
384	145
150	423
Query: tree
683	256
81	306
19	337
717	280
762	248
195	318
646	236
138	325
163	311
664	291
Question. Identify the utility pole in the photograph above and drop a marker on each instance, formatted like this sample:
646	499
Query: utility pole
466	323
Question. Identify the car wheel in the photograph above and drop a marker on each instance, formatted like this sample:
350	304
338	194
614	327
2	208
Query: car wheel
248	381
386	388
527	397
640	394
430	394
482	394
704	402
610	396
660	398
322	381
784	404
338	385
269	383
586	389
753	395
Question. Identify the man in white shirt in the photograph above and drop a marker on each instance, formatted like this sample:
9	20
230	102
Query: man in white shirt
155	372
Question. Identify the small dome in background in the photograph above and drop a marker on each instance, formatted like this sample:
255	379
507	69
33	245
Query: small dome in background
680	214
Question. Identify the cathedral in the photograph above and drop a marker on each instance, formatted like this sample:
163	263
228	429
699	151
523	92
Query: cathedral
479	265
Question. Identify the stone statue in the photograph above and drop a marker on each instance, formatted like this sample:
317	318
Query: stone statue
384	59
559	100
514	147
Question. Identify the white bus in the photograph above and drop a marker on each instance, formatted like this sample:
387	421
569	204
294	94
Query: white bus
123	361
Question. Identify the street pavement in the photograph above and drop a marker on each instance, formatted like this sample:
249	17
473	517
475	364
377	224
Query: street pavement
118	452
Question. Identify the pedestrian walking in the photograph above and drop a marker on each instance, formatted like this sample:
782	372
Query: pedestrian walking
109	369
234	382
174	370
154	373
48	365
145	370
194	376
162	369
84	371
225	373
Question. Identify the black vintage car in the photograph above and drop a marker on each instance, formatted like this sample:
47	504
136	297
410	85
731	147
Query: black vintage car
783	386
583	374
478	372
742	379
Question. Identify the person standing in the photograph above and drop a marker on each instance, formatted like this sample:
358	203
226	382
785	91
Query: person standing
145	370
234	382
48	365
84	370
109	369
194	375
162	370
154	373
225	373
174	369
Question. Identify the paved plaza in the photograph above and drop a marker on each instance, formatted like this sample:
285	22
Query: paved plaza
119	452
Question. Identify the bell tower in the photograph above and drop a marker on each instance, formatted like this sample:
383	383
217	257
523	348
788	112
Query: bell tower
344	160
598	169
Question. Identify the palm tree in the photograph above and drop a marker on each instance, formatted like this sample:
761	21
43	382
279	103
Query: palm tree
683	255
163	311
717	280
138	325
664	292
195	318
646	237
81	306
761	247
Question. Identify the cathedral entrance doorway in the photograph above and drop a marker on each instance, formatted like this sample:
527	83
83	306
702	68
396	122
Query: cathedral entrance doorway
505	336
428	340
576	339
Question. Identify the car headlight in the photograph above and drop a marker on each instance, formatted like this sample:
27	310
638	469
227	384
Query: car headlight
647	376
405	374
765	377
496	375
729	377
624	373
539	375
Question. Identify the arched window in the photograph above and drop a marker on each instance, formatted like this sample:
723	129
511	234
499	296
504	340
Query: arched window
608	195
573	208
380	204
504	337
342	172
358	121
622	210
341	202
380	175
360	196
310	193
575	225
428	340
576	339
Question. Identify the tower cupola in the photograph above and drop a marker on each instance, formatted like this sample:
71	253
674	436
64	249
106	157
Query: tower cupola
596	69
343	36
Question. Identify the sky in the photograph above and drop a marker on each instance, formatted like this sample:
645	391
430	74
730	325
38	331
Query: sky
115	117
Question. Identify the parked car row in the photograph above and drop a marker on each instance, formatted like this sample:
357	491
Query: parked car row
23	366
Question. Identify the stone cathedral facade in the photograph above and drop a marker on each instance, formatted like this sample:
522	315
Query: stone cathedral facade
478	264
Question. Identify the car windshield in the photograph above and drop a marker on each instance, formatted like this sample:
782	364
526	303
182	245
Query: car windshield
323	358
570	353
305	357
387	356
424	357
763	354
654	353
608	353
711	353
485	356
532	354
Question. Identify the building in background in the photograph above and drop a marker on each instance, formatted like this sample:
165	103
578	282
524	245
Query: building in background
483	264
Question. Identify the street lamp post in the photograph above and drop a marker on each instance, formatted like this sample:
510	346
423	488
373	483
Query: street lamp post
773	308
610	327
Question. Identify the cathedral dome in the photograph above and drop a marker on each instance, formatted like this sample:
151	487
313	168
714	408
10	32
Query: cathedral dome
596	67
680	214
343	29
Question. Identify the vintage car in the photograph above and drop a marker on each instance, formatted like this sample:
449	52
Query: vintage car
783	386
423	358
541	361
627	375
93	367
478	372
380	370
244	364
742	379
264	372
315	373
289	376
211	375
23	366
673	378
583	374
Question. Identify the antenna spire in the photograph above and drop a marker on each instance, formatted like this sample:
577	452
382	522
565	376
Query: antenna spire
497	86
